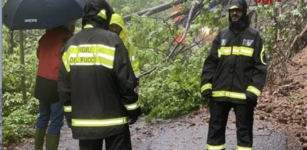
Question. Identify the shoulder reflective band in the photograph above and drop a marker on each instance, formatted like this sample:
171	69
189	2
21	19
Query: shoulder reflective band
215	147
88	26
98	122
253	90
206	87
229	94
89	54
102	14
262	55
132	106
243	148
236	50
67	108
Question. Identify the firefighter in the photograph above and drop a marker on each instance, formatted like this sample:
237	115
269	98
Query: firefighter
117	25
233	76
96	79
50	107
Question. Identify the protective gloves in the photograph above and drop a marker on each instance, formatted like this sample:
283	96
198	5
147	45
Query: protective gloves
252	102
133	120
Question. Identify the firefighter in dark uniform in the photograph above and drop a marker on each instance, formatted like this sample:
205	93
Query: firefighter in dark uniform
96	83
233	76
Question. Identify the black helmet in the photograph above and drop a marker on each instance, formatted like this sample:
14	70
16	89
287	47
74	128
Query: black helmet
97	13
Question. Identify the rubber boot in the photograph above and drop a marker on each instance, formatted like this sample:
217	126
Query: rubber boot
52	141
39	138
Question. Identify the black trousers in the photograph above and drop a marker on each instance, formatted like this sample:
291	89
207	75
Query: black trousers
120	141
218	120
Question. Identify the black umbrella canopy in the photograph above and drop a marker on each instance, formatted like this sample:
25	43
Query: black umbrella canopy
40	14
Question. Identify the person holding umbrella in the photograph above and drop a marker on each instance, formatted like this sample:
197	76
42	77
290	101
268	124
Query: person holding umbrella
96	79
50	107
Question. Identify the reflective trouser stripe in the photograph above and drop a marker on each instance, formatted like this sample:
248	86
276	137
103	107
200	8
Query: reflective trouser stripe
215	147
229	94
67	108
253	90
98	122
206	87
243	148
132	106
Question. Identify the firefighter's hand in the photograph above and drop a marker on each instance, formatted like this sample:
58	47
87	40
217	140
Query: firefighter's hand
207	100
251	102
207	94
137	89
135	113
133	120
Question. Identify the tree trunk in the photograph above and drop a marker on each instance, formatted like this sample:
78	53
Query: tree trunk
154	10
23	72
11	50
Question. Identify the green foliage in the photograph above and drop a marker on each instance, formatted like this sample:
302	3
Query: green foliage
17	124
174	88
293	97
285	24
18	115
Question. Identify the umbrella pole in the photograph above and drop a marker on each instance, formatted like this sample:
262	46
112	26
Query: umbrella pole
23	72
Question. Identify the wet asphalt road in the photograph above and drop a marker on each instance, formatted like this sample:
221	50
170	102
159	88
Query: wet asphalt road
184	133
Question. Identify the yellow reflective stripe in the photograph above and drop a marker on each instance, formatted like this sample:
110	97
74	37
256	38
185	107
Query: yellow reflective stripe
233	7
98	122
89	54
229	94
67	108
245	51
243	148
95	60
236	50
206	87
224	51
253	90
93	48
215	147
262	55
88	26
132	106
102	14
65	59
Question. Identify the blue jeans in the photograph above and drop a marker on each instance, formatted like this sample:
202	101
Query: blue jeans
53	112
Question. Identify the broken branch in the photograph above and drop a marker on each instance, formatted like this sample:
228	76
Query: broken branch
295	40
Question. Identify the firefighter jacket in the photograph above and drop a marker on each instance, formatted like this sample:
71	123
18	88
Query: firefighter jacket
235	69
49	54
97	80
118	20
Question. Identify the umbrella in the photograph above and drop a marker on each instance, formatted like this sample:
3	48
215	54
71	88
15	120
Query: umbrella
40	14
